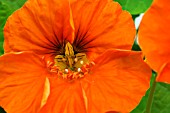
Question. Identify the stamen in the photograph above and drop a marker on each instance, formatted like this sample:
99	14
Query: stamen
75	59
80	73
64	59
66	70
81	62
71	66
79	70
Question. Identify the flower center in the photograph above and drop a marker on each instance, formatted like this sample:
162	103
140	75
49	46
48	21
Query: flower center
70	65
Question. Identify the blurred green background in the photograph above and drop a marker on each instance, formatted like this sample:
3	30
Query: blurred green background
161	100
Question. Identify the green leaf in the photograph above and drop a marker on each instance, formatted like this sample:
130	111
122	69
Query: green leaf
161	101
135	6
7	7
2	110
135	46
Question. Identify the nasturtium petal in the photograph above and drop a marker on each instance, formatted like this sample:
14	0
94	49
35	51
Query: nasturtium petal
117	82
65	97
40	26
164	73
100	25
154	36
22	82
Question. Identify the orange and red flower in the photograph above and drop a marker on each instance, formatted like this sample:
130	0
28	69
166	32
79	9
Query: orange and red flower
67	57
154	38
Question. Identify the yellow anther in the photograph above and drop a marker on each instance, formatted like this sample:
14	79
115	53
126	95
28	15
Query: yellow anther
75	59
66	70
79	69
81	62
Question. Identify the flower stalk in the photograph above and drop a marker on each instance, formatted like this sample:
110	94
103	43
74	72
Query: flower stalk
151	95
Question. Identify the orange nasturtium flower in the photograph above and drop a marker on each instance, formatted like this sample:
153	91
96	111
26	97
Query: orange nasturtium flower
154	38
68	56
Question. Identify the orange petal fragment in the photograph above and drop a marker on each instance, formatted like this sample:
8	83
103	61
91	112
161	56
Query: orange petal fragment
164	74
117	82
154	35
65	97
101	25
22	82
